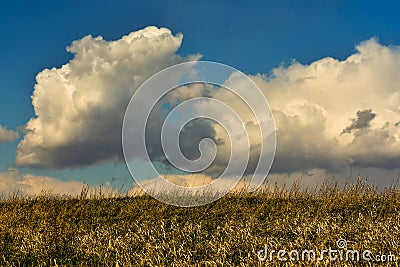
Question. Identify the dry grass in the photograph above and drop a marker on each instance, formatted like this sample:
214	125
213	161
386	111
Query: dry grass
140	231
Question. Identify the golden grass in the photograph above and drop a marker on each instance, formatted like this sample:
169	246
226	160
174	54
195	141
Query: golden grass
141	231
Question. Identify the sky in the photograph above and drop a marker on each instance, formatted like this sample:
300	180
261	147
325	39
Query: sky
329	70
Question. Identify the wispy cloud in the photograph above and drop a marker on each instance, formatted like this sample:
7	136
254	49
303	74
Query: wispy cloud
7	135
13	181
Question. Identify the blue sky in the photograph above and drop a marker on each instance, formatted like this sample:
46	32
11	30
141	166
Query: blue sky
253	37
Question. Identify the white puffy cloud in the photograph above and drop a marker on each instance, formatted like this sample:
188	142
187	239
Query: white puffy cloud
7	135
79	107
13	181
332	114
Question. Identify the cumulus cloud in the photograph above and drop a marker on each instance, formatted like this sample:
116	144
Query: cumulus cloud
7	135
13	181
330	114
314	103
79	107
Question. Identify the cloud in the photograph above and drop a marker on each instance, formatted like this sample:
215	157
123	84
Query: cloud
188	180
13	181
313	104
7	135
363	120
79	107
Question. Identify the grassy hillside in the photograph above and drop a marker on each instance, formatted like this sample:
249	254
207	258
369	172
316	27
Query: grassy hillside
140	231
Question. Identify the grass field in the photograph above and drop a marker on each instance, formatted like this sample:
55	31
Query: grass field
140	231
